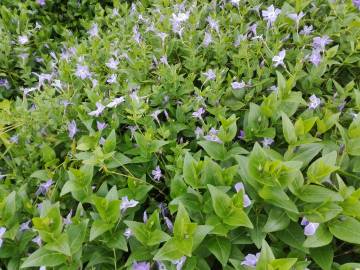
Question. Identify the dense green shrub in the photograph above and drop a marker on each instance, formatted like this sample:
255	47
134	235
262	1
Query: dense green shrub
180	135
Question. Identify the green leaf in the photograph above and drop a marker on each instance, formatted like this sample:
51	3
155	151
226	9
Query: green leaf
110	142
220	247
346	229
200	233
304	153
44	257
220	201
322	237
98	228
174	250
191	176
277	221
283	264
288	129
237	217
323	256
314	194
353	147
293	236
320	169
60	244
278	197
266	256
76	234
215	150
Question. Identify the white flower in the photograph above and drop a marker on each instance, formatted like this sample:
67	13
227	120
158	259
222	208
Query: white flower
115	102
99	109
125	203
23	39
279	59
271	14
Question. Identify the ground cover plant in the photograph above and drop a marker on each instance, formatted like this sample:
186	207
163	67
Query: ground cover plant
180	135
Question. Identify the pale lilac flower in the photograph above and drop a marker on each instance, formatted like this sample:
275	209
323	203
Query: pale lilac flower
112	79
155	115
238	85
41	2
162	36
267	142
101	125
37	240
210	75
102	141
94	30
296	17
145	217
199	132
94	83
136	34
67	220
179	263
2	176
23	56
23	39
169	224
42	78
314	102
14	139
163	59
356	3
161	266
198	113
213	24
115	12
251	260
2	232
42	268
307	30
315	57
207	39
279	59
115	102
321	42
38	26
57	84
270	15
112	63
235	2
177	21
44	187
239	39
141	266
128	233
99	109
212	136
24	226
156	173
4	83
72	129
125	203
310	227
252	30
246	200
82	72
132	131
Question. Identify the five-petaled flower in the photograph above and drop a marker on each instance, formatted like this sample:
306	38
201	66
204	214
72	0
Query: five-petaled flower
279	59
251	260
314	102
270	15
99	109
126	203
156	173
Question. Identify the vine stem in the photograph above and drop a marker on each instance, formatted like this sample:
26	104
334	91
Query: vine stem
115	265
